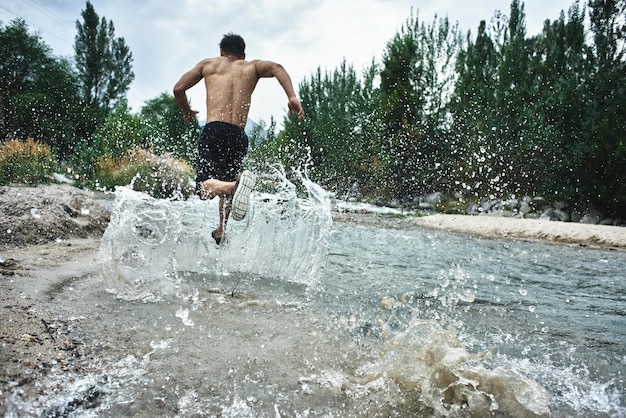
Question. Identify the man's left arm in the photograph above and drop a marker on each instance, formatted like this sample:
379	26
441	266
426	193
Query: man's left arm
272	69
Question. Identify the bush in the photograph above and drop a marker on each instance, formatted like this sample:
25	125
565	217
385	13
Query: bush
160	176
26	162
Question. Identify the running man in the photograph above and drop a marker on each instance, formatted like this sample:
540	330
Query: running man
230	81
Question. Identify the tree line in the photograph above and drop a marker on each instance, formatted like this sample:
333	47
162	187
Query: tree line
488	113
78	107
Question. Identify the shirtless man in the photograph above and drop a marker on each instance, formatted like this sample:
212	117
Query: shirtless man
229	81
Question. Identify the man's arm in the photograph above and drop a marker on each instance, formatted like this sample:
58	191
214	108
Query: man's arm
187	81
272	69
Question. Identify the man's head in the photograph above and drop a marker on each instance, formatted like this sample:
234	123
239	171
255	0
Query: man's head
232	44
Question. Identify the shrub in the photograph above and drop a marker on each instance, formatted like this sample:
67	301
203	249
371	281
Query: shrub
26	162
160	176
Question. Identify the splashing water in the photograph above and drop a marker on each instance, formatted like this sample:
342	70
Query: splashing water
429	360
151	245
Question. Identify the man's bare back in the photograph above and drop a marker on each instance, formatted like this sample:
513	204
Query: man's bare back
230	82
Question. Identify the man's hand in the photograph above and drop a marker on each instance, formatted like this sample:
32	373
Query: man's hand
189	115
295	107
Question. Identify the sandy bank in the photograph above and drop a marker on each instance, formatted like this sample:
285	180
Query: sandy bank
529	229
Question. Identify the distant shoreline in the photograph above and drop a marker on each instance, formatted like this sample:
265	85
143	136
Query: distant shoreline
42	214
567	233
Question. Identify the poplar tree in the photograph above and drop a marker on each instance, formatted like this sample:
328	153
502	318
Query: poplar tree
104	62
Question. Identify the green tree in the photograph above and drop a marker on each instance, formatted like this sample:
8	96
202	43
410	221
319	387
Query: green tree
473	106
166	131
559	69
512	96
104	62
331	140
415	87
120	132
607	160
497	111
38	92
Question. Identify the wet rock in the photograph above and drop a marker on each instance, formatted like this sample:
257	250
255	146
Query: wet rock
525	208
561	215
592	218
575	216
547	214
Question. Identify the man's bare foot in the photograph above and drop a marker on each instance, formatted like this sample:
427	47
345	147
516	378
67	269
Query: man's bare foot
217	236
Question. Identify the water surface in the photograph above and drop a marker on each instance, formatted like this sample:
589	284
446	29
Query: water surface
297	316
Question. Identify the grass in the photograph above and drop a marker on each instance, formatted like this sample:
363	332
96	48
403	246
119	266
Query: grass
25	162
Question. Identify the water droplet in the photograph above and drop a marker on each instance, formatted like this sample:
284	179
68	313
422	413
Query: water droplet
523	292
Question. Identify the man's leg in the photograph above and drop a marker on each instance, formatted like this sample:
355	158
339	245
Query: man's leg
214	187
232	194
224	207
211	188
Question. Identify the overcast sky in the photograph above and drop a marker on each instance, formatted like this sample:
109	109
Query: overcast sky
167	38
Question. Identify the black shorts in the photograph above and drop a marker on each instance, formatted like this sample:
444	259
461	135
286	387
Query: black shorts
221	151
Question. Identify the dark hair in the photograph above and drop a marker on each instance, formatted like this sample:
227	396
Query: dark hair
233	44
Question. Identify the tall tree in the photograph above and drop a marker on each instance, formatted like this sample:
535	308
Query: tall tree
415	87
560	68
104	62
337	106
38	92
474	107
607	162
509	146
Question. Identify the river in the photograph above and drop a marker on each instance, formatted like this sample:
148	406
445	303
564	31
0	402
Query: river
299	316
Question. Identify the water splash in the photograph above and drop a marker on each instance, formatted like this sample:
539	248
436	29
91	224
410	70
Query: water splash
432	361
152	245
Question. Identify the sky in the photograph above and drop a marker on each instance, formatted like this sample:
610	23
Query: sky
167	38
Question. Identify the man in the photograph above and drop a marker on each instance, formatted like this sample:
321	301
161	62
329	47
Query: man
229	81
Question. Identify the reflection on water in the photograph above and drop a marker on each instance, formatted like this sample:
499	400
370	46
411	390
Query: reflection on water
297	316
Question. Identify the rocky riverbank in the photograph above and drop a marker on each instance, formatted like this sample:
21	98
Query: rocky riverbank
526	207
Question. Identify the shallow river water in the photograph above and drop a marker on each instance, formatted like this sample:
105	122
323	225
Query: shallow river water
297	316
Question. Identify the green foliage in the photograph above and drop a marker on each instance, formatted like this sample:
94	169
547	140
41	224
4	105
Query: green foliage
104	62
416	83
120	132
25	162
334	141
263	147
166	131
39	96
495	114
545	114
606	152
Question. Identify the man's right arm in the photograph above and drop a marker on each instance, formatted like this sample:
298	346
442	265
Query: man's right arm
188	80
273	69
